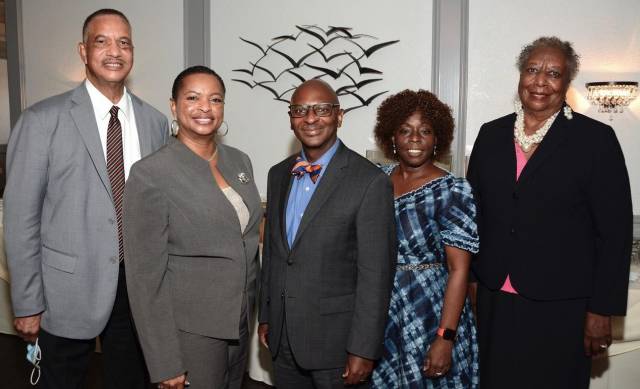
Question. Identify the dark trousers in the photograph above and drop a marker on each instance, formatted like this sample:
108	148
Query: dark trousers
528	344
65	361
289	375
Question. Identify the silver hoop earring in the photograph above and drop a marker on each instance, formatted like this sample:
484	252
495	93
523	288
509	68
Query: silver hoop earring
226	129
174	127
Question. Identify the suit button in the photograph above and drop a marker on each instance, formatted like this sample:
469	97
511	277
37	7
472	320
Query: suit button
515	195
289	262
513	231
114	259
111	221
282	294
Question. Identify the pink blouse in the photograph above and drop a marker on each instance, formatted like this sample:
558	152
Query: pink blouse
521	161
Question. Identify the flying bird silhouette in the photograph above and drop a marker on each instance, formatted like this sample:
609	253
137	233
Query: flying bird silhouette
326	71
247	83
356	85
329	58
265	52
345	30
364	102
372	49
299	77
312	33
268	76
361	69
294	64
277	96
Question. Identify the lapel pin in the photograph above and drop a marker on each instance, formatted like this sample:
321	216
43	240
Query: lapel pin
243	178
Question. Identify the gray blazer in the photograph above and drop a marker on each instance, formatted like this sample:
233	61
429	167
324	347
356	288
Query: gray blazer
333	284
188	263
60	229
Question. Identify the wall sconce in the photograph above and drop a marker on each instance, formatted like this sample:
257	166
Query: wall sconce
612	96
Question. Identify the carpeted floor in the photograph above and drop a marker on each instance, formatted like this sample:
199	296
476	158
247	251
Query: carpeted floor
15	369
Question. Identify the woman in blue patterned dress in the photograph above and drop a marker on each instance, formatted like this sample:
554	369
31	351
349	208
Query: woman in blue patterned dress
430	339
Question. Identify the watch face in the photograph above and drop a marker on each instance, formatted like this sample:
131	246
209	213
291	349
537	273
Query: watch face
449	334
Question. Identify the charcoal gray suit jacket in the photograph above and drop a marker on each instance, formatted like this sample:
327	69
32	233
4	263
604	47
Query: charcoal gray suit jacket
333	284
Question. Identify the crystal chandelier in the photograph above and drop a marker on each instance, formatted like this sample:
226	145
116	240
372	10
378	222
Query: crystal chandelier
612	96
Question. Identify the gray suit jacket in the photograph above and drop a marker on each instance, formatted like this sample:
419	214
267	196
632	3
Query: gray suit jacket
188	263
60	225
333	284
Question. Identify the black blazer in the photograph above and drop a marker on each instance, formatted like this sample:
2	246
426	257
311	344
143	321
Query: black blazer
564	229
334	283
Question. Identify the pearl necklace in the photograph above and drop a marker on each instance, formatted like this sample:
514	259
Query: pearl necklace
526	141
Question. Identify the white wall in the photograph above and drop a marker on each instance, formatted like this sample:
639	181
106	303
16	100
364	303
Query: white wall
259	125
53	28
605	33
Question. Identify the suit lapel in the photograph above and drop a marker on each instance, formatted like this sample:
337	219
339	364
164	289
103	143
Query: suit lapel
554	138
232	171
500	152
213	200
507	151
328	184
286	181
85	121
143	125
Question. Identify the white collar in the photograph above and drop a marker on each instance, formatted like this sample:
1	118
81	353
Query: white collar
102	105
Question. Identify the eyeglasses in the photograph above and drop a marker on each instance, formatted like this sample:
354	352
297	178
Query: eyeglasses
322	109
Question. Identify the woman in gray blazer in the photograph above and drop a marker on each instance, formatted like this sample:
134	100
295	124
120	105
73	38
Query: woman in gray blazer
191	220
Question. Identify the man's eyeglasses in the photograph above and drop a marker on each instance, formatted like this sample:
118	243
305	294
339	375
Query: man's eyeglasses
322	109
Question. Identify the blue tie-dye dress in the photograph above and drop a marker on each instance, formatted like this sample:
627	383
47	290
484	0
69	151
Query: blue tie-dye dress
441	212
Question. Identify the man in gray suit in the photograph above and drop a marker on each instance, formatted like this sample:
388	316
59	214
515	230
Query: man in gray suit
329	253
68	157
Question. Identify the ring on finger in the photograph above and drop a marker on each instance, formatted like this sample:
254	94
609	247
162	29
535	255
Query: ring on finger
604	346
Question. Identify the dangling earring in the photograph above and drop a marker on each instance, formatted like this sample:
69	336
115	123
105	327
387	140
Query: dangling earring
226	129
435	150
393	145
174	127
568	113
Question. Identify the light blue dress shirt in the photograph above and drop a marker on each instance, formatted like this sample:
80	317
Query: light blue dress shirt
302	190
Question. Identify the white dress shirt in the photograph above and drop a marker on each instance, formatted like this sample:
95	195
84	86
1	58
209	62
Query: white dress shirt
130	140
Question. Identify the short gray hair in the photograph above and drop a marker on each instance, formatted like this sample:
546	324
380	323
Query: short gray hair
573	59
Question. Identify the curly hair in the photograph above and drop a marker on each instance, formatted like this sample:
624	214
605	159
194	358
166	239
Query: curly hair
396	109
573	59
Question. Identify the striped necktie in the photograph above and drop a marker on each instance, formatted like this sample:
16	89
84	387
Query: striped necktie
303	167
115	168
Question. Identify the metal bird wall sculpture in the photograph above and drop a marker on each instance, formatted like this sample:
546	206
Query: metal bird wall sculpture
335	54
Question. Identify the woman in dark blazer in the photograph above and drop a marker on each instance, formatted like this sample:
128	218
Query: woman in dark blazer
192	214
555	224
